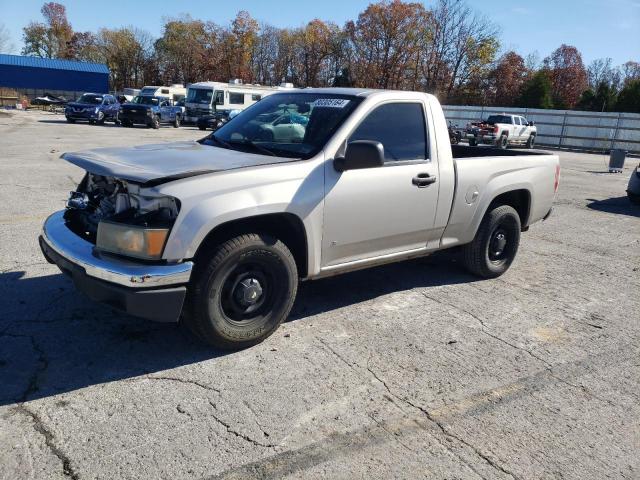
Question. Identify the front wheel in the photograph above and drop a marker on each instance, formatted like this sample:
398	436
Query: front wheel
531	141
495	245
155	122
176	122
473	142
70	120
100	120
244	292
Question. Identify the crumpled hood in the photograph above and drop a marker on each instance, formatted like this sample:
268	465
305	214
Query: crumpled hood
162	162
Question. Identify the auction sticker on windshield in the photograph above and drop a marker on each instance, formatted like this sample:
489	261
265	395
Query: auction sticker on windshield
331	102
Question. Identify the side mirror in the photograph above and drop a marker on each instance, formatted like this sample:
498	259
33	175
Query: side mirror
532	123
360	154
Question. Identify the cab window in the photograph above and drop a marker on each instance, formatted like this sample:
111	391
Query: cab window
400	127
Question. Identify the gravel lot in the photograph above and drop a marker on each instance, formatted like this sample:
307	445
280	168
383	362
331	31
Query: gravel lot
413	370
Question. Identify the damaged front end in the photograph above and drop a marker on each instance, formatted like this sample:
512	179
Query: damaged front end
121	217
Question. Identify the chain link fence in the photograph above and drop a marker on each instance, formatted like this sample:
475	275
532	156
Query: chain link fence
569	129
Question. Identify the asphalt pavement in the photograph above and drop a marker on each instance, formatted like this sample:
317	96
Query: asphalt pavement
411	370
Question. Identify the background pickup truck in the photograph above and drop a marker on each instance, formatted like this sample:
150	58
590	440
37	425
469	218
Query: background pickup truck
502	131
151	111
217	233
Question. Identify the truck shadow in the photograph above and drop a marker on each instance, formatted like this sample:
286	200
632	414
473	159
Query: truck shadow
54	340
617	205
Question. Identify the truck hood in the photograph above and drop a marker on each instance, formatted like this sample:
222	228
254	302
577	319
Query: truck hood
164	162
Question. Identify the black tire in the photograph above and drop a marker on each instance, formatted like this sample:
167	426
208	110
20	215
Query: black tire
495	245
101	118
91	122
116	119
201	127
70	120
221	308
531	141
125	123
155	122
473	142
176	122
503	142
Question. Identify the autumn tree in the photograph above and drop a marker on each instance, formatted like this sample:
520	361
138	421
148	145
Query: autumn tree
51	38
128	52
568	76
386	40
181	49
237	45
508	78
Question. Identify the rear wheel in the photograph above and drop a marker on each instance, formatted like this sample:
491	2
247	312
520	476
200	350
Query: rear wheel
503	143
244	292
531	141
100	120
70	120
176	122
495	245
202	127
473	142
125	123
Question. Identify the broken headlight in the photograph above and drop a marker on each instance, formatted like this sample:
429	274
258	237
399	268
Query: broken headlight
131	240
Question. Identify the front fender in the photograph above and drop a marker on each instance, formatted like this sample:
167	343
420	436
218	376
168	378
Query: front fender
209	201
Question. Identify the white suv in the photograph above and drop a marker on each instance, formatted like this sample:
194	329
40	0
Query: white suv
502	131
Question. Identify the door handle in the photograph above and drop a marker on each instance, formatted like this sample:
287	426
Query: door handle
423	180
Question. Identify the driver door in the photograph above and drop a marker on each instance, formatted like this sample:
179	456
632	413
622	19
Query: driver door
382	210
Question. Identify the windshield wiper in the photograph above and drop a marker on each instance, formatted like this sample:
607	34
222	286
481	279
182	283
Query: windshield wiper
221	142
255	146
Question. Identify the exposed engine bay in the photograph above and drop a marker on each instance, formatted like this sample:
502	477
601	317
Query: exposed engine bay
101	198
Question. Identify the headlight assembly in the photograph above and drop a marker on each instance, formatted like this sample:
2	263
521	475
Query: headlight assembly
131	240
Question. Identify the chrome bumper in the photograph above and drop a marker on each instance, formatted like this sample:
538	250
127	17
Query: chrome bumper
108	268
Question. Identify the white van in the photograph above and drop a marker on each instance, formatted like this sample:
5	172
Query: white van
207	98
175	92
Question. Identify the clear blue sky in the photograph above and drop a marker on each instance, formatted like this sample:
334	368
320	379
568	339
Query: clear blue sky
599	28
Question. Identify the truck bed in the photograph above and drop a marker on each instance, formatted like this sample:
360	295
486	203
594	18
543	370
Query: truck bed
464	151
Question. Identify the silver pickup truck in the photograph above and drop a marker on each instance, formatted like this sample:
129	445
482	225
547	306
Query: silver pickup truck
217	233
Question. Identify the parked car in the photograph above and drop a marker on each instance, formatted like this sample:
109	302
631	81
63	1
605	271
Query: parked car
218	232
216	120
502	131
151	111
94	108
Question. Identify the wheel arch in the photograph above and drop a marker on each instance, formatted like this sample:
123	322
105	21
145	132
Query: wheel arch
519	199
286	227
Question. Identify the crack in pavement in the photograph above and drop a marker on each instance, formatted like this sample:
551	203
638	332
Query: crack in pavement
180	380
548	366
236	433
43	365
446	432
49	438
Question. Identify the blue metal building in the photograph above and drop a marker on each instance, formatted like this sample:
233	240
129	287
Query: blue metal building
32	76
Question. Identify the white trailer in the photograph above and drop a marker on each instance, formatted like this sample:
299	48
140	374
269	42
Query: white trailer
208	98
175	92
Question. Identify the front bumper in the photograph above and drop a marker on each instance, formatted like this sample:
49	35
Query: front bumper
155	292
81	115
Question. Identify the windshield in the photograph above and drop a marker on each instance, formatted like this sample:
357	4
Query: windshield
493	119
294	125
91	99
143	100
199	95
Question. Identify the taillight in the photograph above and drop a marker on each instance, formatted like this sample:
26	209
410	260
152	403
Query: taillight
557	179
495	129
